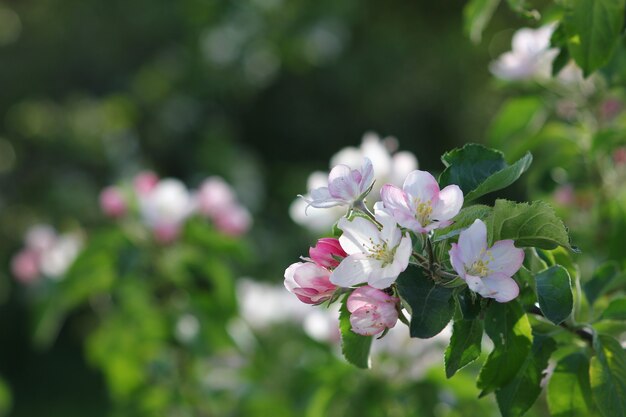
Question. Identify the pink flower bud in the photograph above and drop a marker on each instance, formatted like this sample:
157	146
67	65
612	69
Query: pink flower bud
325	251
25	266
166	233
233	221
372	311
144	182
215	196
309	282
112	202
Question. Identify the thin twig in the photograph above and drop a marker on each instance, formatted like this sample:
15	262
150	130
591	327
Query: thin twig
582	333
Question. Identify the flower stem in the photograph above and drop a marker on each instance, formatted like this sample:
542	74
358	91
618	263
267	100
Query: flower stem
582	333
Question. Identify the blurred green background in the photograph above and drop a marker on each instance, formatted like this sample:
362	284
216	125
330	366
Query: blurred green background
261	92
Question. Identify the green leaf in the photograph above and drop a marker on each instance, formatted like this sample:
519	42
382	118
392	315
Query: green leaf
600	281
593	30
616	310
476	16
464	345
355	348
569	392
431	306
508	327
608	376
534	224
516	397
464	219
517	116
554	293
478	170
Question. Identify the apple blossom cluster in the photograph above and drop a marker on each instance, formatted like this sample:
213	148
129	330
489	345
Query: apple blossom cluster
165	204
46	253
375	248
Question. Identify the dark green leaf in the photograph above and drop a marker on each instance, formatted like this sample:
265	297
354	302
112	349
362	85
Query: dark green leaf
534	224
600	281
608	376
593	29
464	219
431	306
478	170
464	345
355	348
569	393
508	327
469	304
616	310
554	293
516	397
476	16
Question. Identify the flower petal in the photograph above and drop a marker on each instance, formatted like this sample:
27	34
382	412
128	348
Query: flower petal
504	257
501	287
473	242
457	260
449	203
353	270
421	185
321	198
358	235
290	283
366	295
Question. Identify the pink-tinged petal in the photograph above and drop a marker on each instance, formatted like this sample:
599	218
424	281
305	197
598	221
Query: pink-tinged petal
394	198
306	295
476	284
473	242
358	236
343	183
449	204
457	260
421	185
367	174
289	282
313	276
390	232
367	321
504	257
388	314
501	287
367	295
353	270
321	198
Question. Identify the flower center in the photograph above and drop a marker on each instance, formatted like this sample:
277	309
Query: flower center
381	252
480	268
423	212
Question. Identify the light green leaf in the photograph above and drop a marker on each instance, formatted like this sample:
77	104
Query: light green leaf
593	30
431	306
464	345
517	116
608	376
478	170
516	397
616	310
355	348
464	219
534	224
508	327
554	293
569	393
476	16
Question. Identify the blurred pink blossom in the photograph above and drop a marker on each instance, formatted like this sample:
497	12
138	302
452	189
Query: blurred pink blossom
112	202
564	194
25	266
215	196
145	182
619	156
233	221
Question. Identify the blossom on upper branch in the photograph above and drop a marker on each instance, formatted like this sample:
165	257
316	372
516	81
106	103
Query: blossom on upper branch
326	252
420	205
374	256
487	271
372	311
531	56
345	186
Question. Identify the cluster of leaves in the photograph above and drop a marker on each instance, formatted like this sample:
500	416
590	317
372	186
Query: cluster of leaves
591	368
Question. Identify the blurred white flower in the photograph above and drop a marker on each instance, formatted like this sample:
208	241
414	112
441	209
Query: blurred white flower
389	167
165	207
40	237
187	328
531	55
56	260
